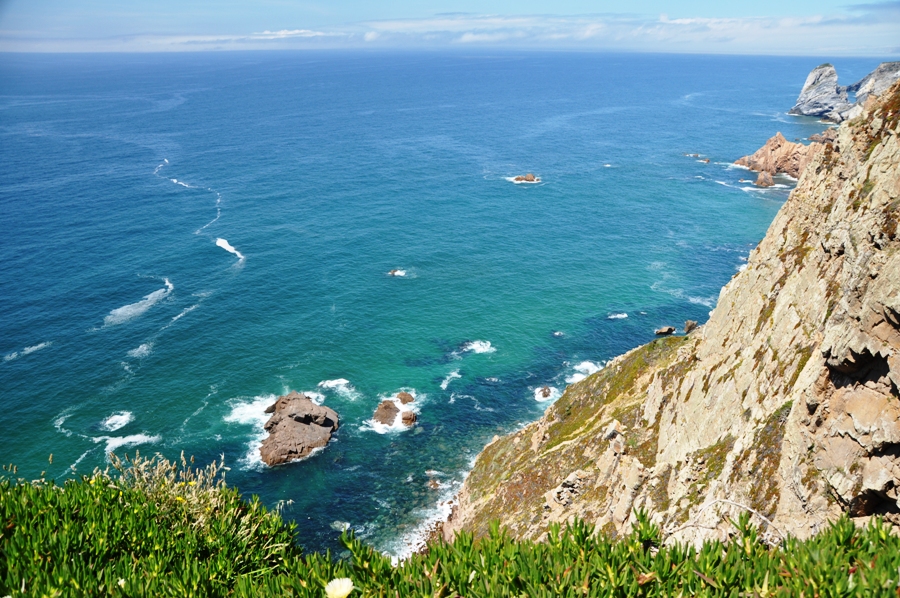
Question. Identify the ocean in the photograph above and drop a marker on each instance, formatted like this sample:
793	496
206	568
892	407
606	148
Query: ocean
186	236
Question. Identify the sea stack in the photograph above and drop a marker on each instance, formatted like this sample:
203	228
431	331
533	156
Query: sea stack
297	427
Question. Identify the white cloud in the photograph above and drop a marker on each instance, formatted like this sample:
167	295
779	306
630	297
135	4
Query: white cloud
855	33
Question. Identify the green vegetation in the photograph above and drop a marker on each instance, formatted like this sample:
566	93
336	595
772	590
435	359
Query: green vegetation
156	529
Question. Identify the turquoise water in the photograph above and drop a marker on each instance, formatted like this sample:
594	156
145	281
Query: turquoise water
125	326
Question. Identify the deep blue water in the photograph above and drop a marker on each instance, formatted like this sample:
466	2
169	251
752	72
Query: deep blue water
124	326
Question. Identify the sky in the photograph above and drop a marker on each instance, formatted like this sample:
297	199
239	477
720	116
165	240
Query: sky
797	27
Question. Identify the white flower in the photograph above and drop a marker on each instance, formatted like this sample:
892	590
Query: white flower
339	588
121	582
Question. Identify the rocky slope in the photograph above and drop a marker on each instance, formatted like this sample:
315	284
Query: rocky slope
779	155
784	404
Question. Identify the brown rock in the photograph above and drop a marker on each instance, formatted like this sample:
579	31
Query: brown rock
296	428
705	160
826	136
779	155
546	392
528	178
764	180
386	413
405	397
408	418
689	325
664	330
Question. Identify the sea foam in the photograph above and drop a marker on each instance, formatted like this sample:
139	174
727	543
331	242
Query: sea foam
619	316
117	420
228	247
115	442
454	375
141	351
479	347
397	425
252	412
553	394
341	386
583	370
128	312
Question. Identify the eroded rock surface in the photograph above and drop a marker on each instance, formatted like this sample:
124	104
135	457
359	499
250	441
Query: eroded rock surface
785	402
779	156
821	95
297	427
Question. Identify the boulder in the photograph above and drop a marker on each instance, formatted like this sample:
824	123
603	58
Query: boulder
664	330
690	325
408	418
405	397
296	428
386	413
779	155
528	178
545	392
764	180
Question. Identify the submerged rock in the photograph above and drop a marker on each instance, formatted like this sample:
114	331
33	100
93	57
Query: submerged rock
297	427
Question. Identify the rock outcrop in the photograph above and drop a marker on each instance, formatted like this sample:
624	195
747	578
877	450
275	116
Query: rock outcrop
785	404
822	96
389	410
780	156
297	427
528	178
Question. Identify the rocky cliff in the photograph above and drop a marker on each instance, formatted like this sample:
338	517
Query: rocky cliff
784	404
822	96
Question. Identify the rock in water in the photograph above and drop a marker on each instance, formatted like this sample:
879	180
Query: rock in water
779	155
408	418
528	178
664	330
764	180
296	428
386	413
821	95
405	397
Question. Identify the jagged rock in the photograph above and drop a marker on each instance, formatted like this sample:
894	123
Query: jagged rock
779	155
821	95
545	392
386	413
296	428
664	330
528	178
826	136
405	397
690	325
785	401
764	180
408	418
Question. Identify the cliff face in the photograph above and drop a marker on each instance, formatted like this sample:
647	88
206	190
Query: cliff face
785	403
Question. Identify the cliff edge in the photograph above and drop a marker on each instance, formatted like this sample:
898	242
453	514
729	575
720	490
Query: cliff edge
785	404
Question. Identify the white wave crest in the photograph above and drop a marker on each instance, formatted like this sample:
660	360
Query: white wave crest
479	347
227	247
182	183
454	375
141	351
38	347
185	312
11	356
400	273
252	412
620	316
115	442
120	315
550	394
583	370
117	420
513	180
341	386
